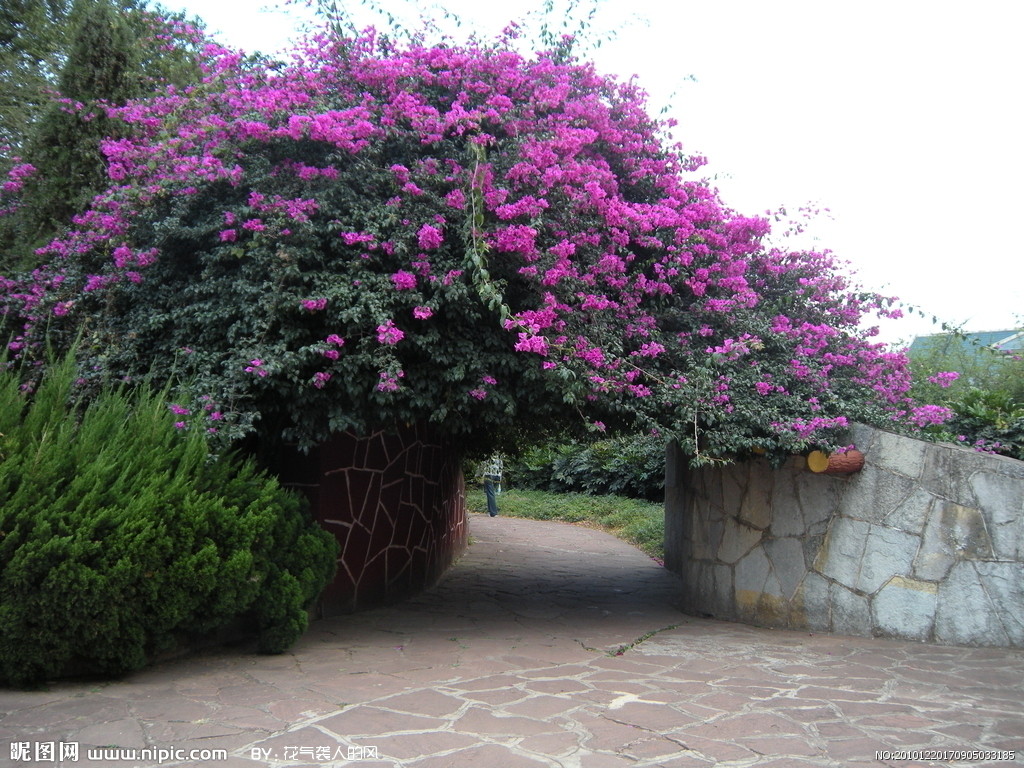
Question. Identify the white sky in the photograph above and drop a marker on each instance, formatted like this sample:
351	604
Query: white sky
903	117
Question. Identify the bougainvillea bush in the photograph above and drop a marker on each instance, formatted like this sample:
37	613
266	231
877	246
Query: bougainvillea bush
376	234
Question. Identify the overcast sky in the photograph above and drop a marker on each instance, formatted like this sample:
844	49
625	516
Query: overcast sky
902	117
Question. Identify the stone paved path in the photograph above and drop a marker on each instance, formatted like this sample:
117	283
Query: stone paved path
547	645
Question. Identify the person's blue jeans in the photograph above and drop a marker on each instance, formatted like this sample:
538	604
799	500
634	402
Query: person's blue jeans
491	493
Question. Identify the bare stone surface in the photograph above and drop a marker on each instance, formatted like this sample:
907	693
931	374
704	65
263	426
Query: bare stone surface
925	543
905	607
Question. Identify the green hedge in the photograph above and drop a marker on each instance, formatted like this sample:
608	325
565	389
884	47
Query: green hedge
631	466
121	537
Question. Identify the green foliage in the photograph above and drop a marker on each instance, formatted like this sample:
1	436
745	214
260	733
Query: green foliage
990	420
987	397
631	466
32	34
641	523
121	538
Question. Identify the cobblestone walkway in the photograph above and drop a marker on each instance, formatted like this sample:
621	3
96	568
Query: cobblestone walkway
547	645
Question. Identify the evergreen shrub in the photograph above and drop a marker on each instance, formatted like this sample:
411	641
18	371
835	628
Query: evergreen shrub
121	537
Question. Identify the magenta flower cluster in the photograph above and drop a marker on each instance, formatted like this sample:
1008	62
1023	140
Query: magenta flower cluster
531	199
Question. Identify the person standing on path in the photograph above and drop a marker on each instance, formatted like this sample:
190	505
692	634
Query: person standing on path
492	483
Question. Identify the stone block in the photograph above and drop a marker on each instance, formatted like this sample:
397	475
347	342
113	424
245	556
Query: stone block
912	514
1004	583
723	603
851	613
899	454
842	551
940	476
701	545
785	504
905	608
965	615
756	507
737	540
787	519
788	565
863	438
752	572
812	548
814	595
819	497
968	529
1001	499
873	493
887	553
734	486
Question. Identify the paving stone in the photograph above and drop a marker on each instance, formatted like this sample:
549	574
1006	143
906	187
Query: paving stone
362	720
409	746
489	723
487	754
121	733
527	693
542	706
422	703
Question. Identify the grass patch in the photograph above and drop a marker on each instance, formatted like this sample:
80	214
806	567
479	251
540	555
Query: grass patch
641	523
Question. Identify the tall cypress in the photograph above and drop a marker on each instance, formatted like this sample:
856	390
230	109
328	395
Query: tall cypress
107	60
65	147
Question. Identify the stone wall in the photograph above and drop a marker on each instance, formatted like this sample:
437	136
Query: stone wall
925	543
395	502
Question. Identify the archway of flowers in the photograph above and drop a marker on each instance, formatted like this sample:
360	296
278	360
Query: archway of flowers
457	235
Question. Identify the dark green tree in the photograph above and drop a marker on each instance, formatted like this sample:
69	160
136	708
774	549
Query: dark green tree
110	51
33	37
65	149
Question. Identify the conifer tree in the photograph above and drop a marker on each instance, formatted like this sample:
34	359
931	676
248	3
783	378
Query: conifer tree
107	57
65	148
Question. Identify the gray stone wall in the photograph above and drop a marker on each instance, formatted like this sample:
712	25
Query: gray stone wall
926	542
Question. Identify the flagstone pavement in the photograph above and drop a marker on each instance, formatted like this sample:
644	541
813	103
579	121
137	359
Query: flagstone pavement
546	645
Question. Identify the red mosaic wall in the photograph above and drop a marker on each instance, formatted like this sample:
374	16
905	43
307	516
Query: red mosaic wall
395	502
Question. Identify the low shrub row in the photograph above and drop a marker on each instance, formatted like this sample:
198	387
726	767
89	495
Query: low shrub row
121	537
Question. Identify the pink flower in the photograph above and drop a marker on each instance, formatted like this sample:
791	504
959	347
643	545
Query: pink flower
320	378
389	383
529	343
429	237
179	410
422	313
331	354
388	333
335	339
944	379
314	305
404	281
228	235
924	415
479	394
